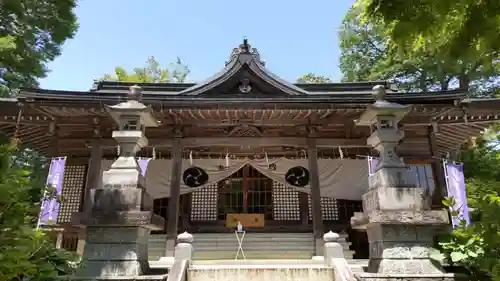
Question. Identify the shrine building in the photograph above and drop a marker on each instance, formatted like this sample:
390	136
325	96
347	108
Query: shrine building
287	160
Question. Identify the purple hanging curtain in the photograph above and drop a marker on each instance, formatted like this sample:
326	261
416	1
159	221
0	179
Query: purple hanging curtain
372	163
455	185
143	164
49	210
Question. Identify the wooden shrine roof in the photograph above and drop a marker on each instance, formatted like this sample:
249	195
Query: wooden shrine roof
244	100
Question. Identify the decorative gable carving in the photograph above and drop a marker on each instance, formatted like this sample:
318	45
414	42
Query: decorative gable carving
244	74
245	131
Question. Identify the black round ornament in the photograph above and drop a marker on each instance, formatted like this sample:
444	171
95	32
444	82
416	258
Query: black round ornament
194	176
297	176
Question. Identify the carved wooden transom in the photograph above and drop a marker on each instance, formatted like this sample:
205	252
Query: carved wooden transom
245	131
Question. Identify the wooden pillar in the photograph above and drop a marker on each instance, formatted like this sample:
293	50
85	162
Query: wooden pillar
94	179
246	175
59	239
437	167
304	208
317	220
175	194
94	174
185	211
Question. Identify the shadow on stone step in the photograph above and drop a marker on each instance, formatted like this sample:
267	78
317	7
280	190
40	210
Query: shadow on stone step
157	271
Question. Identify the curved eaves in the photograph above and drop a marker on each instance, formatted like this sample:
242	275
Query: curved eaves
220	77
275	80
233	67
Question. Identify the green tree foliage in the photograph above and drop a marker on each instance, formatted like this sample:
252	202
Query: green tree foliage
25	253
477	246
464	29
367	53
31	35
311	78
152	72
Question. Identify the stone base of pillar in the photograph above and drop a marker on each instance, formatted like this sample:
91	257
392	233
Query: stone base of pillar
319	244
401	249
400	240
169	247
116	243
115	251
81	242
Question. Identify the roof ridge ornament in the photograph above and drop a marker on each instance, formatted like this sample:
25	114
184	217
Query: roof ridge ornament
245	86
245	49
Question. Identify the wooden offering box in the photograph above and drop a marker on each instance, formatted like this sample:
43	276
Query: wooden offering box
247	220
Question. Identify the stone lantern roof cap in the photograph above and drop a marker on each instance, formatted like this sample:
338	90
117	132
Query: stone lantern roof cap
382	107
133	107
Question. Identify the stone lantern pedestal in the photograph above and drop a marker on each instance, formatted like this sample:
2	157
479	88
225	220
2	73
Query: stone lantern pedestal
119	216
399	225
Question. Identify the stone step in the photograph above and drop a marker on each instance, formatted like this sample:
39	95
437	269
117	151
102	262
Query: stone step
232	262
219	246
255	234
250	255
261	273
357	265
258	246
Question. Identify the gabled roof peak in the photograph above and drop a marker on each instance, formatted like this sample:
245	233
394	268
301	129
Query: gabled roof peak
245	53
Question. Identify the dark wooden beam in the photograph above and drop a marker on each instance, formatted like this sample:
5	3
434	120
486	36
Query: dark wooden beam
281	122
234	142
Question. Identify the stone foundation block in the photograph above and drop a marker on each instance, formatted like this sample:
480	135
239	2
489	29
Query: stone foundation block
123	178
126	219
121	199
116	235
392	177
400	233
403	266
398	250
394	198
117	252
407	217
113	268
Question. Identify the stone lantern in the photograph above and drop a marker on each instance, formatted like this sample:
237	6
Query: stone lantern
383	117
399	225
132	118
121	217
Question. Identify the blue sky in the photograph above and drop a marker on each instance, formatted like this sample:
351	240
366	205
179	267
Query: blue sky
293	37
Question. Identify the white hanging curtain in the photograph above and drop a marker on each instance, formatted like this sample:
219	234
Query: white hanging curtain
339	178
159	172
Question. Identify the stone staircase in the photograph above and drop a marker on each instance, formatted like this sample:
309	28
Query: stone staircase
223	246
274	269
265	270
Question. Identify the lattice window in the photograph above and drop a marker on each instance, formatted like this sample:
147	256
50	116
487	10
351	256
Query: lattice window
286	202
329	208
73	185
160	207
204	204
258	200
